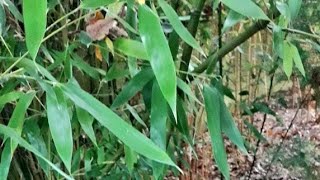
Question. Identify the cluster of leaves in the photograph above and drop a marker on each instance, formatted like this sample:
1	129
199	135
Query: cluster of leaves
53	111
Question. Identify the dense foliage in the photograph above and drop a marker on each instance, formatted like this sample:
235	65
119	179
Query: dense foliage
118	88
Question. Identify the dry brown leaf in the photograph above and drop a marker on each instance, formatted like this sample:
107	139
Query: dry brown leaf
100	29
98	53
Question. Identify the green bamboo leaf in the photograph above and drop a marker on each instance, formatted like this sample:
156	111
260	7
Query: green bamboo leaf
186	89
59	124
277	40
121	129
229	127
3	19
297	60
133	87
287	59
9	132
135	114
178	26
182	121
294	6
212	104
6	157
82	65
284	10
16	122
33	133
130	158
9	97
13	9
131	48
86	121
33	68
35	20
116	71
255	131
95	3
158	124
232	19
246	8
158	50
17	119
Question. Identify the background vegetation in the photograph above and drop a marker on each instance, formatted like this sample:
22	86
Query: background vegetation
128	89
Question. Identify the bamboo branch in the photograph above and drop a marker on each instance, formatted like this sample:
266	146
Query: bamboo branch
209	64
192	27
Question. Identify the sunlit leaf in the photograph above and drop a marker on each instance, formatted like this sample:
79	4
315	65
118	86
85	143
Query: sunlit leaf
246	8
294	6
9	97
287	59
284	10
35	20
158	50
95	3
131	48
297	60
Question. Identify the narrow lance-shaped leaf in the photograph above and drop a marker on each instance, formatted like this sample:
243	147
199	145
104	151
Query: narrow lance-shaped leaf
121	129
9	132
158	50
179	27
13	9
9	97
213	109
232	19
131	48
287	59
158	125
86	121
3	19
297	59
35	20
135	114
33	133
130	158
59	124
133	87
16	122
246	8
229	127
95	3
294	6
186	89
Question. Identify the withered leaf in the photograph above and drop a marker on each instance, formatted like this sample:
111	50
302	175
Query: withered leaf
100	29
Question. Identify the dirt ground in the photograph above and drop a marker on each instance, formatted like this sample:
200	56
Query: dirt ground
299	156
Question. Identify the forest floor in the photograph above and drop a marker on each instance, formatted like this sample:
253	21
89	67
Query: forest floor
298	156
